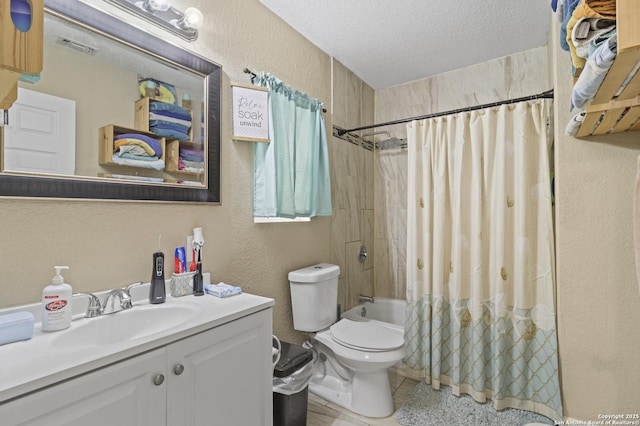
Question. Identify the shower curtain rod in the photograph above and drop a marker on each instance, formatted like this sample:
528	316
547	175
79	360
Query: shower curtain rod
254	75
544	95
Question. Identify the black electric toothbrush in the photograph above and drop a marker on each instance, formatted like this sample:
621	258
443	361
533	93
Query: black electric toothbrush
157	292
198	285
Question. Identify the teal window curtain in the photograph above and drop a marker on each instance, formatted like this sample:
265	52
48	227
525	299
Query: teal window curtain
291	173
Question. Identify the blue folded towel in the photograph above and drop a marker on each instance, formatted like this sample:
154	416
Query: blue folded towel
170	110
222	290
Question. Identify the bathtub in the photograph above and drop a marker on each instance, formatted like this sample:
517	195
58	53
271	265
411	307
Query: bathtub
383	309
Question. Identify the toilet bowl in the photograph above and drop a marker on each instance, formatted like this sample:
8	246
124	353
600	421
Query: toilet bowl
366	358
351	357
365	345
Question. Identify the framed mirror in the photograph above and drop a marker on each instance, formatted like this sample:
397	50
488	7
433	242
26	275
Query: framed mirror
145	115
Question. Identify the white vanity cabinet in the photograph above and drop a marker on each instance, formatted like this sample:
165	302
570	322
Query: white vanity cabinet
122	393
226	375
221	376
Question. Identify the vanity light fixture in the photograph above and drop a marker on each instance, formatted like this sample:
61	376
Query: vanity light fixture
161	13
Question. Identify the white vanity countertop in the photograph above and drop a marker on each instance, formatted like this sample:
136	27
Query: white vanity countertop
33	364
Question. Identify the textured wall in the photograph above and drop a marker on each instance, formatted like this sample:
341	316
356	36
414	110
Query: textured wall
598	300
109	244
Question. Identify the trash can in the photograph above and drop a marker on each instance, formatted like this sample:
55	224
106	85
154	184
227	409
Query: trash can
291	377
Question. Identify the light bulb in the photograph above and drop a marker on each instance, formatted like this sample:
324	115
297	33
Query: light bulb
193	18
156	5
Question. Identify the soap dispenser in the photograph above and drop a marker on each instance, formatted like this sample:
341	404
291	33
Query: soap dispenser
56	303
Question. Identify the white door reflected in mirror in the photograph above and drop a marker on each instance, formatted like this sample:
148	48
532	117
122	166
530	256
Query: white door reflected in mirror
40	136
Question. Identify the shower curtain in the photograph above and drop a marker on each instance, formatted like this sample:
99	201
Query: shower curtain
480	260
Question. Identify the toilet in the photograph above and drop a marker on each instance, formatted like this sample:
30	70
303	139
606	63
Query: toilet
351	358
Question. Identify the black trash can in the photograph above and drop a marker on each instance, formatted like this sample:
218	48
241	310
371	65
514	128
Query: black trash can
291	410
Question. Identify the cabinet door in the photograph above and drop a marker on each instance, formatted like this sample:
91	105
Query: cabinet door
122	394
225	375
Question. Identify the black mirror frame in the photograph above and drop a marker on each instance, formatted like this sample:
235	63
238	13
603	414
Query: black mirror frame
13	185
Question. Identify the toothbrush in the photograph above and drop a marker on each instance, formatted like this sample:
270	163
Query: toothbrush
192	267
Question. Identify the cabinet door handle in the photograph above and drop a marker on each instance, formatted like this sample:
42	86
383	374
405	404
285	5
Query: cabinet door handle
178	369
158	379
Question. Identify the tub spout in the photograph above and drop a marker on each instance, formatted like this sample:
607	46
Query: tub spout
363	298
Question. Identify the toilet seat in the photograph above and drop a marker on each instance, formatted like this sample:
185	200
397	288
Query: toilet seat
370	336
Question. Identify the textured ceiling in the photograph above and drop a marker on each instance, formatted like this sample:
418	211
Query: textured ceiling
390	42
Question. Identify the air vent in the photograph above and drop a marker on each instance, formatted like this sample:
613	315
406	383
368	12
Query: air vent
80	47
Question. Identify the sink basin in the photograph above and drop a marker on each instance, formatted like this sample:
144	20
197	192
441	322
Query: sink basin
132	324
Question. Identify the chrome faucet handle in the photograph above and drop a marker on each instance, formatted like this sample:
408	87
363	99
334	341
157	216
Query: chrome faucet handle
94	308
122	294
126	299
128	288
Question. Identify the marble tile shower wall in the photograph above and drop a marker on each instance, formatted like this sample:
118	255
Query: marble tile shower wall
391	223
521	74
352	172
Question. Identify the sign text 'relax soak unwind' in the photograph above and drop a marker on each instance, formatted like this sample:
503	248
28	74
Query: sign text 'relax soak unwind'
250	113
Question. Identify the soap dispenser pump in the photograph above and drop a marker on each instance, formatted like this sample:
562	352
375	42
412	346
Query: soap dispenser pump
157	292
56	303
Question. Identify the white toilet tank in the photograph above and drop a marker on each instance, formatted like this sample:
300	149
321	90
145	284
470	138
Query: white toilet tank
314	296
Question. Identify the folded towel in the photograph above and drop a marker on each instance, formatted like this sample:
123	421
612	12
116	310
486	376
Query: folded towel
136	157
151	145
589	33
170	110
191	155
164	117
157	164
222	289
568	9
166	132
162	124
605	9
594	73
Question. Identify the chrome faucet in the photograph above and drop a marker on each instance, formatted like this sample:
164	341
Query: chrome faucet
362	298
95	308
124	294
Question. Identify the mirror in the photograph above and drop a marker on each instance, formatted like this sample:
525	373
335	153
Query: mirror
121	81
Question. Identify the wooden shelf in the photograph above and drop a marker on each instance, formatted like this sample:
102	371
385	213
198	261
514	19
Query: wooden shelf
106	135
21	51
142	113
141	121
606	113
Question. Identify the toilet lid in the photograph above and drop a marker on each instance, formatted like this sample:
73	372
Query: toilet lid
366	335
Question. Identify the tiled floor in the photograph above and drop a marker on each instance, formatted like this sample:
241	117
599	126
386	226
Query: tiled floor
323	413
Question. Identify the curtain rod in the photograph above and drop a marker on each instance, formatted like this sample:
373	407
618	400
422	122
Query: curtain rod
544	95
254	75
248	71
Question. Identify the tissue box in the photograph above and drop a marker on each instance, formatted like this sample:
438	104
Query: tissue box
16	326
181	284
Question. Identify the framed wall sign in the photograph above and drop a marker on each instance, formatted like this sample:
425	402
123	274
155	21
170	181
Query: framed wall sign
250	113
